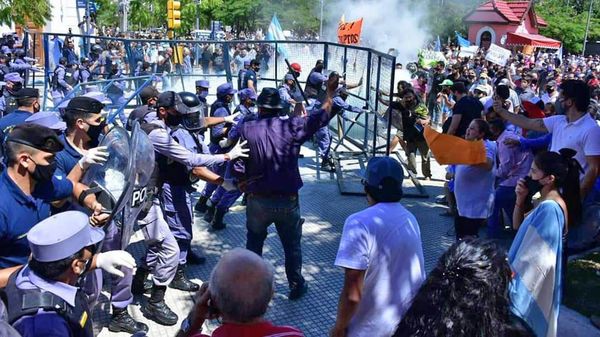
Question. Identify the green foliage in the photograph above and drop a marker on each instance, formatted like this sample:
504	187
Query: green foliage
19	11
107	13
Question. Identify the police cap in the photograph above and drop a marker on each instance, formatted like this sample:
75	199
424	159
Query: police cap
170	99
28	93
85	104
37	136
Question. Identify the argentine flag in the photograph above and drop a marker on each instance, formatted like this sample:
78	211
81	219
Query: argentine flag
462	41
275	33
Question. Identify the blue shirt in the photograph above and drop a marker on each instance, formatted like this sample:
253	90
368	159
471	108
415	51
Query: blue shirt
67	158
11	120
274	144
20	212
249	75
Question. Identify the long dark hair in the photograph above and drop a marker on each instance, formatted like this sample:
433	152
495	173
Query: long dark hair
465	295
565	168
484	127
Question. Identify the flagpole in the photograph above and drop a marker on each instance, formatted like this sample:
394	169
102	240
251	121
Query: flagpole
321	24
587	28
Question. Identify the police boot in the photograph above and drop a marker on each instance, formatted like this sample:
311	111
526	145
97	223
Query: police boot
181	282
121	321
217	223
326	166
157	310
193	258
141	284
210	213
201	206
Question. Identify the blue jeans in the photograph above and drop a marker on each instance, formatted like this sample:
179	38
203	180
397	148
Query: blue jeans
504	200
284	211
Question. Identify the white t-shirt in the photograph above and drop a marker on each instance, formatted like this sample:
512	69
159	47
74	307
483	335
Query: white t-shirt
474	187
385	241
583	136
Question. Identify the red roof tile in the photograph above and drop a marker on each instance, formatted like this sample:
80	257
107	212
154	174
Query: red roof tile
513	11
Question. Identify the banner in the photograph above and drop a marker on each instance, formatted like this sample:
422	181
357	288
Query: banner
429	58
449	150
349	32
468	51
498	55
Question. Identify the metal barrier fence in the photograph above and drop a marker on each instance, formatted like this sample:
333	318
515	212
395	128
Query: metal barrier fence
217	61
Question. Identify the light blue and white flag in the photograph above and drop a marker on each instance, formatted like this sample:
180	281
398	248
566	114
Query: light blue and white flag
275	33
462	41
438	44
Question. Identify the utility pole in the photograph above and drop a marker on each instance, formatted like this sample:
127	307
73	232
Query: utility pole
197	14
321	24
587	27
123	12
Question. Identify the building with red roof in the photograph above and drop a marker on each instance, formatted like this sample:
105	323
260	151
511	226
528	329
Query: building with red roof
507	23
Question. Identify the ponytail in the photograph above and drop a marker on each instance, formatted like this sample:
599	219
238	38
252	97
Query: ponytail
570	185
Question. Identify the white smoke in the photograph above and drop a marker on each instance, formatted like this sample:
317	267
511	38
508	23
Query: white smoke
386	24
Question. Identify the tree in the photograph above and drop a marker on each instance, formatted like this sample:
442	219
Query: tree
21	11
107	13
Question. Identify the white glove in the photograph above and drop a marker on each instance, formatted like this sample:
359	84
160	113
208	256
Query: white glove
231	118
97	155
238	151
223	143
110	261
229	185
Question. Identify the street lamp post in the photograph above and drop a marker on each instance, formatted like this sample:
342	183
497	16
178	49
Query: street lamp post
587	28
197	14
321	24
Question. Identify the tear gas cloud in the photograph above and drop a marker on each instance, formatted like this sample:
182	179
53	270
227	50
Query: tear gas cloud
386	24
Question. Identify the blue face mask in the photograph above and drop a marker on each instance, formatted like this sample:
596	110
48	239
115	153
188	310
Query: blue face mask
204	94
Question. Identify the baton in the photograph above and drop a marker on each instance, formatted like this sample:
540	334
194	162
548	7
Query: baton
296	80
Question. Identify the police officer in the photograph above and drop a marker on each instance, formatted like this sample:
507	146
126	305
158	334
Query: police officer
4	67
242	74
286	92
220	108
271	178
60	87
44	298
148	96
115	90
172	160
314	81
27	101
14	83
29	185
83	73
48	119
222	199
202	87
69	52
250	79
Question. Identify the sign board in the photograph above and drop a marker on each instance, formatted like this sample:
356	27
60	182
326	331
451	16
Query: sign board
349	32
498	55
469	51
82	3
429	58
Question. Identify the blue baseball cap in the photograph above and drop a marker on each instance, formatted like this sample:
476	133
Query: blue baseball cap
48	119
225	89
62	235
13	77
380	168
203	84
98	96
246	63
247	93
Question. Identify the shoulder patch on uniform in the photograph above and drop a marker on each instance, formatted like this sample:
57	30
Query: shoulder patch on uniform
83	319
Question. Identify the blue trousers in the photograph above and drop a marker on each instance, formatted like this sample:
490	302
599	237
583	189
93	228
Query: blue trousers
177	205
261	212
120	290
210	188
323	141
504	201
222	198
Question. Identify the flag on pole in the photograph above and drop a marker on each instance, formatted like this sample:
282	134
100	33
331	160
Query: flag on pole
438	44
275	33
462	41
343	18
559	54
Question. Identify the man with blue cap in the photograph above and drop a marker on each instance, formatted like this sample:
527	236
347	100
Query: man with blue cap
380	252
242	74
220	108
287	93
222	199
250	79
44	298
202	87
14	83
271	179
48	119
170	112
60	87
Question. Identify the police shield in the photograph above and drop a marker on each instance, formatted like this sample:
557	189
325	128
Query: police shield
111	182
142	158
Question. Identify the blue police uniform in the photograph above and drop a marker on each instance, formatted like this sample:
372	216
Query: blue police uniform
323	135
11	120
20	212
60	87
314	84
249	75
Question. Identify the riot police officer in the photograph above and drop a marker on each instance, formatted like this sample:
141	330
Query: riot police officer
60	87
83	73
14	83
314	82
115	90
250	79
242	74
43	298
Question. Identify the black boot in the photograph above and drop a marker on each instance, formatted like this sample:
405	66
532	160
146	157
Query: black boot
141	284
201	206
157	310
193	258
244	200
217	223
181	282
210	214
121	321
326	166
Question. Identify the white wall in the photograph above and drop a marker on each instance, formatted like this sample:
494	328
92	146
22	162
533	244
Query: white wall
64	16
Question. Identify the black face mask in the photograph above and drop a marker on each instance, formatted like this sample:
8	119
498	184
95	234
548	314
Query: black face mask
43	173
534	186
173	120
95	131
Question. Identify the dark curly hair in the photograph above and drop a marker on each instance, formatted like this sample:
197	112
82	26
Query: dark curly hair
465	295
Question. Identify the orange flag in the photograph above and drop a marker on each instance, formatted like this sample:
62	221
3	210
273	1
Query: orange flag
349	32
449	150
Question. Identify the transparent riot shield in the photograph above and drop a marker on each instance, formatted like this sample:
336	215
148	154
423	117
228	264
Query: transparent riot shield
142	158
110	182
